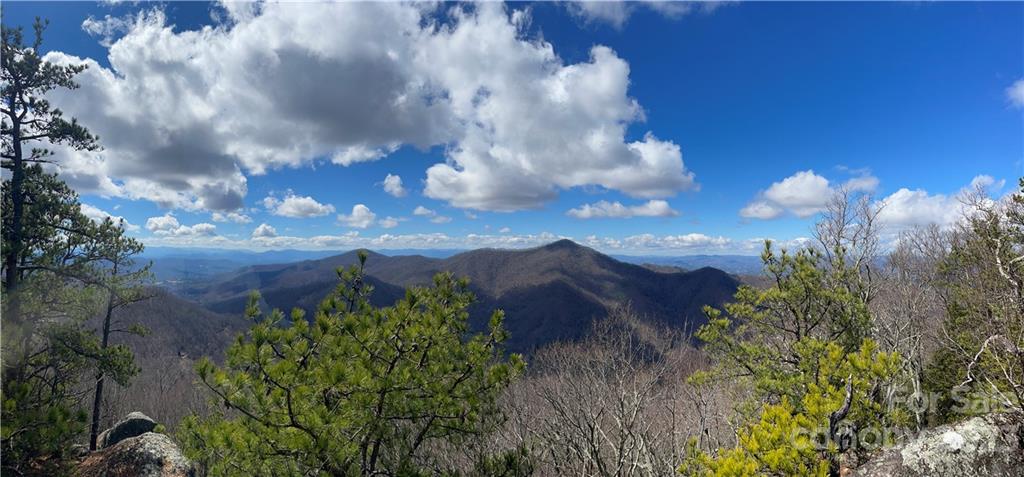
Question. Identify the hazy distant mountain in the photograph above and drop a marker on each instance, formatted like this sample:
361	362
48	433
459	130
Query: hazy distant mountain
740	264
549	293
173	267
177	267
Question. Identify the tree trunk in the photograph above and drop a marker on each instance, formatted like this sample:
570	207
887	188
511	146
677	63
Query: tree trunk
13	311
94	429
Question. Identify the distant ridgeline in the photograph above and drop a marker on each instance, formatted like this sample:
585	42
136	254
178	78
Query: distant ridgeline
549	293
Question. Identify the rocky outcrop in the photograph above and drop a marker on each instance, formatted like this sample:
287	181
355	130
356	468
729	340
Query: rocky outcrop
134	424
982	446
146	455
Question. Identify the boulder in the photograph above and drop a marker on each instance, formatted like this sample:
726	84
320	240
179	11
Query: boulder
134	424
146	455
982	446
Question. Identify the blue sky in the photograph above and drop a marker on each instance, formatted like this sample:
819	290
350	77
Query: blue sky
519	123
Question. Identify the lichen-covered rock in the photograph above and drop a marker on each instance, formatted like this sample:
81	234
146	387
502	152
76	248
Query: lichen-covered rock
146	455
981	446
134	424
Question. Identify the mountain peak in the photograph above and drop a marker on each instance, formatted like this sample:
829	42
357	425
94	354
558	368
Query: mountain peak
563	244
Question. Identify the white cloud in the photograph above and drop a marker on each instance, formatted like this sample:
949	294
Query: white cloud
433	215
803	194
165	223
185	115
690	243
296	207
201	229
236	217
1015	93
360	218
107	28
676	242
761	209
907	208
264	231
389	222
987	183
534	125
605	209
617	13
504	230
393	186
99	215
361	153
865	183
168	225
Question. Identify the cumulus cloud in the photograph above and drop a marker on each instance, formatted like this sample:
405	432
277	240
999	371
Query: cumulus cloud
761	209
907	208
185	115
264	231
296	206
605	209
236	217
431	214
165	223
393	185
803	194
1015	93
533	125
617	13
99	215
168	225
360	218
389	222
987	184
505	230
904	208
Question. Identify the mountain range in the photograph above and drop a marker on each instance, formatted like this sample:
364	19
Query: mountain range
549	293
176	267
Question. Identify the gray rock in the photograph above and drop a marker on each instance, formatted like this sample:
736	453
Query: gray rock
134	424
981	446
146	455
79	450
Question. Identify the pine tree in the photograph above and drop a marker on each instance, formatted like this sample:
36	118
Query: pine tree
28	120
123	283
55	265
801	346
358	390
64	262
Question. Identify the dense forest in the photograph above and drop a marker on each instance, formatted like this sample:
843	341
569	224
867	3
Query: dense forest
849	345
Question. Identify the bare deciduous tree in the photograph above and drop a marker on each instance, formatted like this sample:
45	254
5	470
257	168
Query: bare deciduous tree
616	404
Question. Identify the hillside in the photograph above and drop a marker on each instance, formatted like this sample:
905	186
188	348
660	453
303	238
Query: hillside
177	327
549	293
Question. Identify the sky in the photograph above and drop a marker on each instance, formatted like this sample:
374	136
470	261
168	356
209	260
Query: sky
634	128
